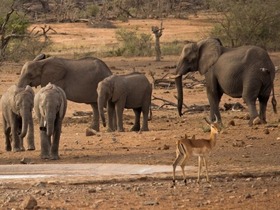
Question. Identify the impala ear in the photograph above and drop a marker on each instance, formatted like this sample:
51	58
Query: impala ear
209	52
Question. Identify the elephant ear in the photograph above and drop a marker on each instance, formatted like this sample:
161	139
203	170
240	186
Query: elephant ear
30	90
54	71
119	88
39	57
209	52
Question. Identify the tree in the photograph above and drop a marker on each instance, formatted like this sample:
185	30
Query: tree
14	36
11	26
255	22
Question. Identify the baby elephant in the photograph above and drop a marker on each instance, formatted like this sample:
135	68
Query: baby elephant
17	105
132	91
50	107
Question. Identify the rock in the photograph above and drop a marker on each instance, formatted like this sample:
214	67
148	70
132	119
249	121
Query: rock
29	202
90	132
231	123
166	147
238	143
266	131
246	117
25	161
150	203
257	121
248	196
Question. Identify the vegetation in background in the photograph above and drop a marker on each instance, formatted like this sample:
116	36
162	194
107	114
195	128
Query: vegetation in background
132	43
16	41
255	22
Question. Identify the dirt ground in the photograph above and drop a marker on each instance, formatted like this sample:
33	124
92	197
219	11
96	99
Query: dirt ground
244	166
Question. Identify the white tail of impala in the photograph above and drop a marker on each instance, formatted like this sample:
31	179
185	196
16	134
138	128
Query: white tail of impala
186	148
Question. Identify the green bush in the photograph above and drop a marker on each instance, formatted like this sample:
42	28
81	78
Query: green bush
133	44
17	24
92	10
255	22
173	48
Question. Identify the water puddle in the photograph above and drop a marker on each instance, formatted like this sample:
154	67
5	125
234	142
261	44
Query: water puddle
62	170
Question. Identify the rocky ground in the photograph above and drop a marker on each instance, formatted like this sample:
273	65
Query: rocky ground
243	167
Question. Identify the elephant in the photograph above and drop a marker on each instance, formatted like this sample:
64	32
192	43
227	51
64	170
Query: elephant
245	71
50	106
78	78
131	91
17	104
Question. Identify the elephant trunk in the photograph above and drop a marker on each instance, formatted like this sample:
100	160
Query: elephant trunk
101	105
26	117
22	82
179	86
50	125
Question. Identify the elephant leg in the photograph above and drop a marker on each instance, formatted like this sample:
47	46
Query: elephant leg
137	113
8	137
95	120
251	103
111	117
119	107
30	136
45	144
249	95
263	104
145	112
15	138
21	144
56	138
19	128
214	99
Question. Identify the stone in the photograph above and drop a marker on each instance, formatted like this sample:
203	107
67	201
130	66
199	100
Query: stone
90	132
231	123
29	202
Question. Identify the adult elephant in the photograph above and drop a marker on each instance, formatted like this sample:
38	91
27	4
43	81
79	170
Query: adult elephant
17	104
246	72
78	78
131	91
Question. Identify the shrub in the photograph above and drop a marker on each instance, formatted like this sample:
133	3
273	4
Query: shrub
133	44
173	48
92	10
255	22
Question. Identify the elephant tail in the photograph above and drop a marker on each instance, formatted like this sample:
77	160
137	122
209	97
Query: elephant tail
151	113
273	100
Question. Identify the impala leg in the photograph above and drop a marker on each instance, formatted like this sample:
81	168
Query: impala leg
206	168
199	169
175	163
183	171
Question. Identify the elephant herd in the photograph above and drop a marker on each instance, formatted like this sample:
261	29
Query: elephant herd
246	72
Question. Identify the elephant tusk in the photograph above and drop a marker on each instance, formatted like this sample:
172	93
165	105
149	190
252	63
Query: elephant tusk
216	118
